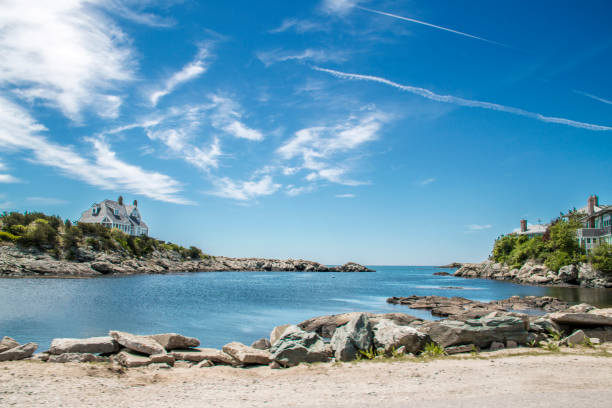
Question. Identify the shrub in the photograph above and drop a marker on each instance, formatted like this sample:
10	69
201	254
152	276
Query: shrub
8	237
433	350
40	234
601	257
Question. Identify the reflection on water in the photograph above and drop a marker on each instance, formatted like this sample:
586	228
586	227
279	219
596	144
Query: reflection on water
220	307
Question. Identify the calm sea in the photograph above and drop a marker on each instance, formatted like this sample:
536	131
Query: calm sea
219	307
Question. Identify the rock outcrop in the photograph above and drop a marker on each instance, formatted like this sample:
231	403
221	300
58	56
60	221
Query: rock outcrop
139	344
298	346
532	273
93	345
19	352
354	336
390	337
16	262
325	326
247	355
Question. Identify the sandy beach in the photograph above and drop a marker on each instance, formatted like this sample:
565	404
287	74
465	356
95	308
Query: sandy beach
497	379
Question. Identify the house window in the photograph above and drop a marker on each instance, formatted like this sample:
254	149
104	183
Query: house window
588	240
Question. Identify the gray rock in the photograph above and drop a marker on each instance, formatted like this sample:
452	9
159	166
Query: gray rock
95	345
544	325
274	365
581	308
596	317
390	336
262	344
354	336
481	332
511	344
140	344
247	355
44	356
76	358
7	343
568	274
298	346
162	358
576	338
205	364
277	333
604	334
173	341
496	345
465	348
325	326
197	355
129	359
19	352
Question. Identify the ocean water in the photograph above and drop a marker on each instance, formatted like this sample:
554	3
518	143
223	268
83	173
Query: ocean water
219	307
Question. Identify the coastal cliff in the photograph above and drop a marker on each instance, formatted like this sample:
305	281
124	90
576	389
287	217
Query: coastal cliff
17	262
532	273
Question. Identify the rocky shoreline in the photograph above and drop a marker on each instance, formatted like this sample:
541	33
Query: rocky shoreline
532	273
472	326
16	262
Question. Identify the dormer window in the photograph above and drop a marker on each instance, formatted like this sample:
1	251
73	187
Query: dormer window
93	211
116	211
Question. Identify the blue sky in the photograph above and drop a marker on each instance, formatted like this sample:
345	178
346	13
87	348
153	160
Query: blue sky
382	132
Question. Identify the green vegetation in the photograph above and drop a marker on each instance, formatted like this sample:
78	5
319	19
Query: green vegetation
63	239
601	258
556	248
433	350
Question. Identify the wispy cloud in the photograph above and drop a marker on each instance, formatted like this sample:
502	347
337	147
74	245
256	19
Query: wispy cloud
315	147
299	26
345	195
478	227
338	6
597	98
227	117
412	20
190	71
64	53
119	8
244	190
293	191
426	93
427	181
317	55
20	132
7	178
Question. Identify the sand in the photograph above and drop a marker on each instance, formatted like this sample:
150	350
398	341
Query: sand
491	380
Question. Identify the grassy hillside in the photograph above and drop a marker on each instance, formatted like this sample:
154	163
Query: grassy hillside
63	240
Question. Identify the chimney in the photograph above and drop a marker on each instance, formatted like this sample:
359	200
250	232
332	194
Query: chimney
523	225
595	200
135	203
591	205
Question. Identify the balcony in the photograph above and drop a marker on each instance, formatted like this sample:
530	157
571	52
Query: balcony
594	232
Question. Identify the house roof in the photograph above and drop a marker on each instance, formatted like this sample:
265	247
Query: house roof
127	214
597	211
532	229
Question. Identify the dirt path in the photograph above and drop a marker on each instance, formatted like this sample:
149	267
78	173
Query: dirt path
519	381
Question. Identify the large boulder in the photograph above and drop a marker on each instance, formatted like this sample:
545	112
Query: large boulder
576	338
325	326
95	345
594	318
76	358
568	274
354	336
262	344
7	343
140	344
481	332
544	325
129	359
19	352
173	341
197	355
247	355
298	346
390	336
277	332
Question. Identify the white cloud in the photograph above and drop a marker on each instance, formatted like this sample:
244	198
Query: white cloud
64	53
7	178
345	195
299	26
244	190
293	191
271	57
152	20
19	131
338	6
455	100
192	70
227	117
427	181
597	98
316	146
477	227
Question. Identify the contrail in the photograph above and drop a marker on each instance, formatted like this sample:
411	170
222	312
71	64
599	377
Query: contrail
412	20
455	100
597	98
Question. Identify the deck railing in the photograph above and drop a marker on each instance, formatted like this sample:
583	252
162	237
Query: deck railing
594	232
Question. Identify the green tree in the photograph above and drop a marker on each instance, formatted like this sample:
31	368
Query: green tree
601	258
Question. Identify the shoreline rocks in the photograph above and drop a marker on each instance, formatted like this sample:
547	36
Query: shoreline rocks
16	262
532	273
